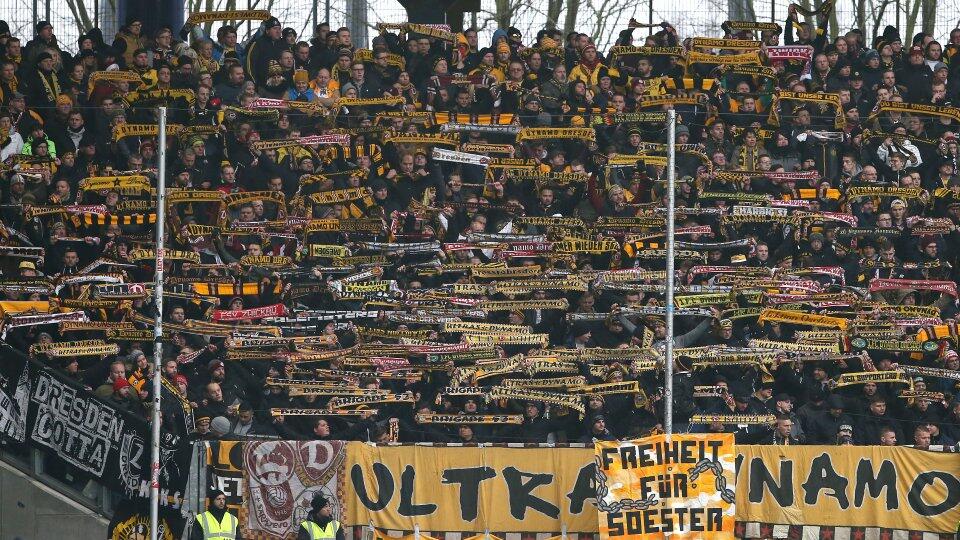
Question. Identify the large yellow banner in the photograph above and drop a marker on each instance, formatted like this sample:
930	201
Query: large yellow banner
503	490
850	486
657	487
471	489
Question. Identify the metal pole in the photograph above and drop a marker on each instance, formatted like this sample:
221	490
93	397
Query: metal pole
671	195
158	333
326	13
650	18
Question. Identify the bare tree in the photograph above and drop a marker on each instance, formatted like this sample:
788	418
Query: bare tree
80	15
741	10
554	7
805	4
505	12
929	9
860	14
605	16
877	14
911	11
570	21
832	24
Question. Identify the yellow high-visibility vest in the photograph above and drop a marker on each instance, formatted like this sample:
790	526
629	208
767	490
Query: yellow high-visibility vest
225	529
321	533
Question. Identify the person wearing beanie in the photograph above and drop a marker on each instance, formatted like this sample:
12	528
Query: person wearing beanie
217	522
43	84
129	39
225	45
44	41
266	48
320	523
301	90
588	67
275	85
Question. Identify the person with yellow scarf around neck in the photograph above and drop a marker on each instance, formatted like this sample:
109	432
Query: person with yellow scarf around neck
502	58
320	524
141	66
589	67
43	86
488	65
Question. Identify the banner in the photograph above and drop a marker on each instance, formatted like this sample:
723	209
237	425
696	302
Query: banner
652	488
470	489
782	491
280	479
860	487
273	310
225	471
131	520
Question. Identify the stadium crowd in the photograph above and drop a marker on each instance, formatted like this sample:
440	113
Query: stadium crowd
429	238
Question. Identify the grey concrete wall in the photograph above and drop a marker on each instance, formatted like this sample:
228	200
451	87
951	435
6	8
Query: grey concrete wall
31	511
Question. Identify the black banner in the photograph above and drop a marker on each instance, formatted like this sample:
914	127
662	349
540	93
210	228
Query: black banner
43	408
131	521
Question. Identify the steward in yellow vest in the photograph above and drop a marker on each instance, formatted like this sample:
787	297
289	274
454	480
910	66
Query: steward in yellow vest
216	523
320	523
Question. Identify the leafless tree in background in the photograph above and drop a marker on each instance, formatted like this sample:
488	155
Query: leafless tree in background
81	16
554	7
929	11
601	19
570	21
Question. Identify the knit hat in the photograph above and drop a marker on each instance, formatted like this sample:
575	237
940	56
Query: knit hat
301	75
548	43
220	426
274	68
318	502
64	99
120	384
502	47
44	56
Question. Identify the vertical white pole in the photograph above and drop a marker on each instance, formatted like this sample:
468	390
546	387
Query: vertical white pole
671	194
158	333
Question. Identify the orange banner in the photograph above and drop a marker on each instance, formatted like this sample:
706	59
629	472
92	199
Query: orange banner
681	487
